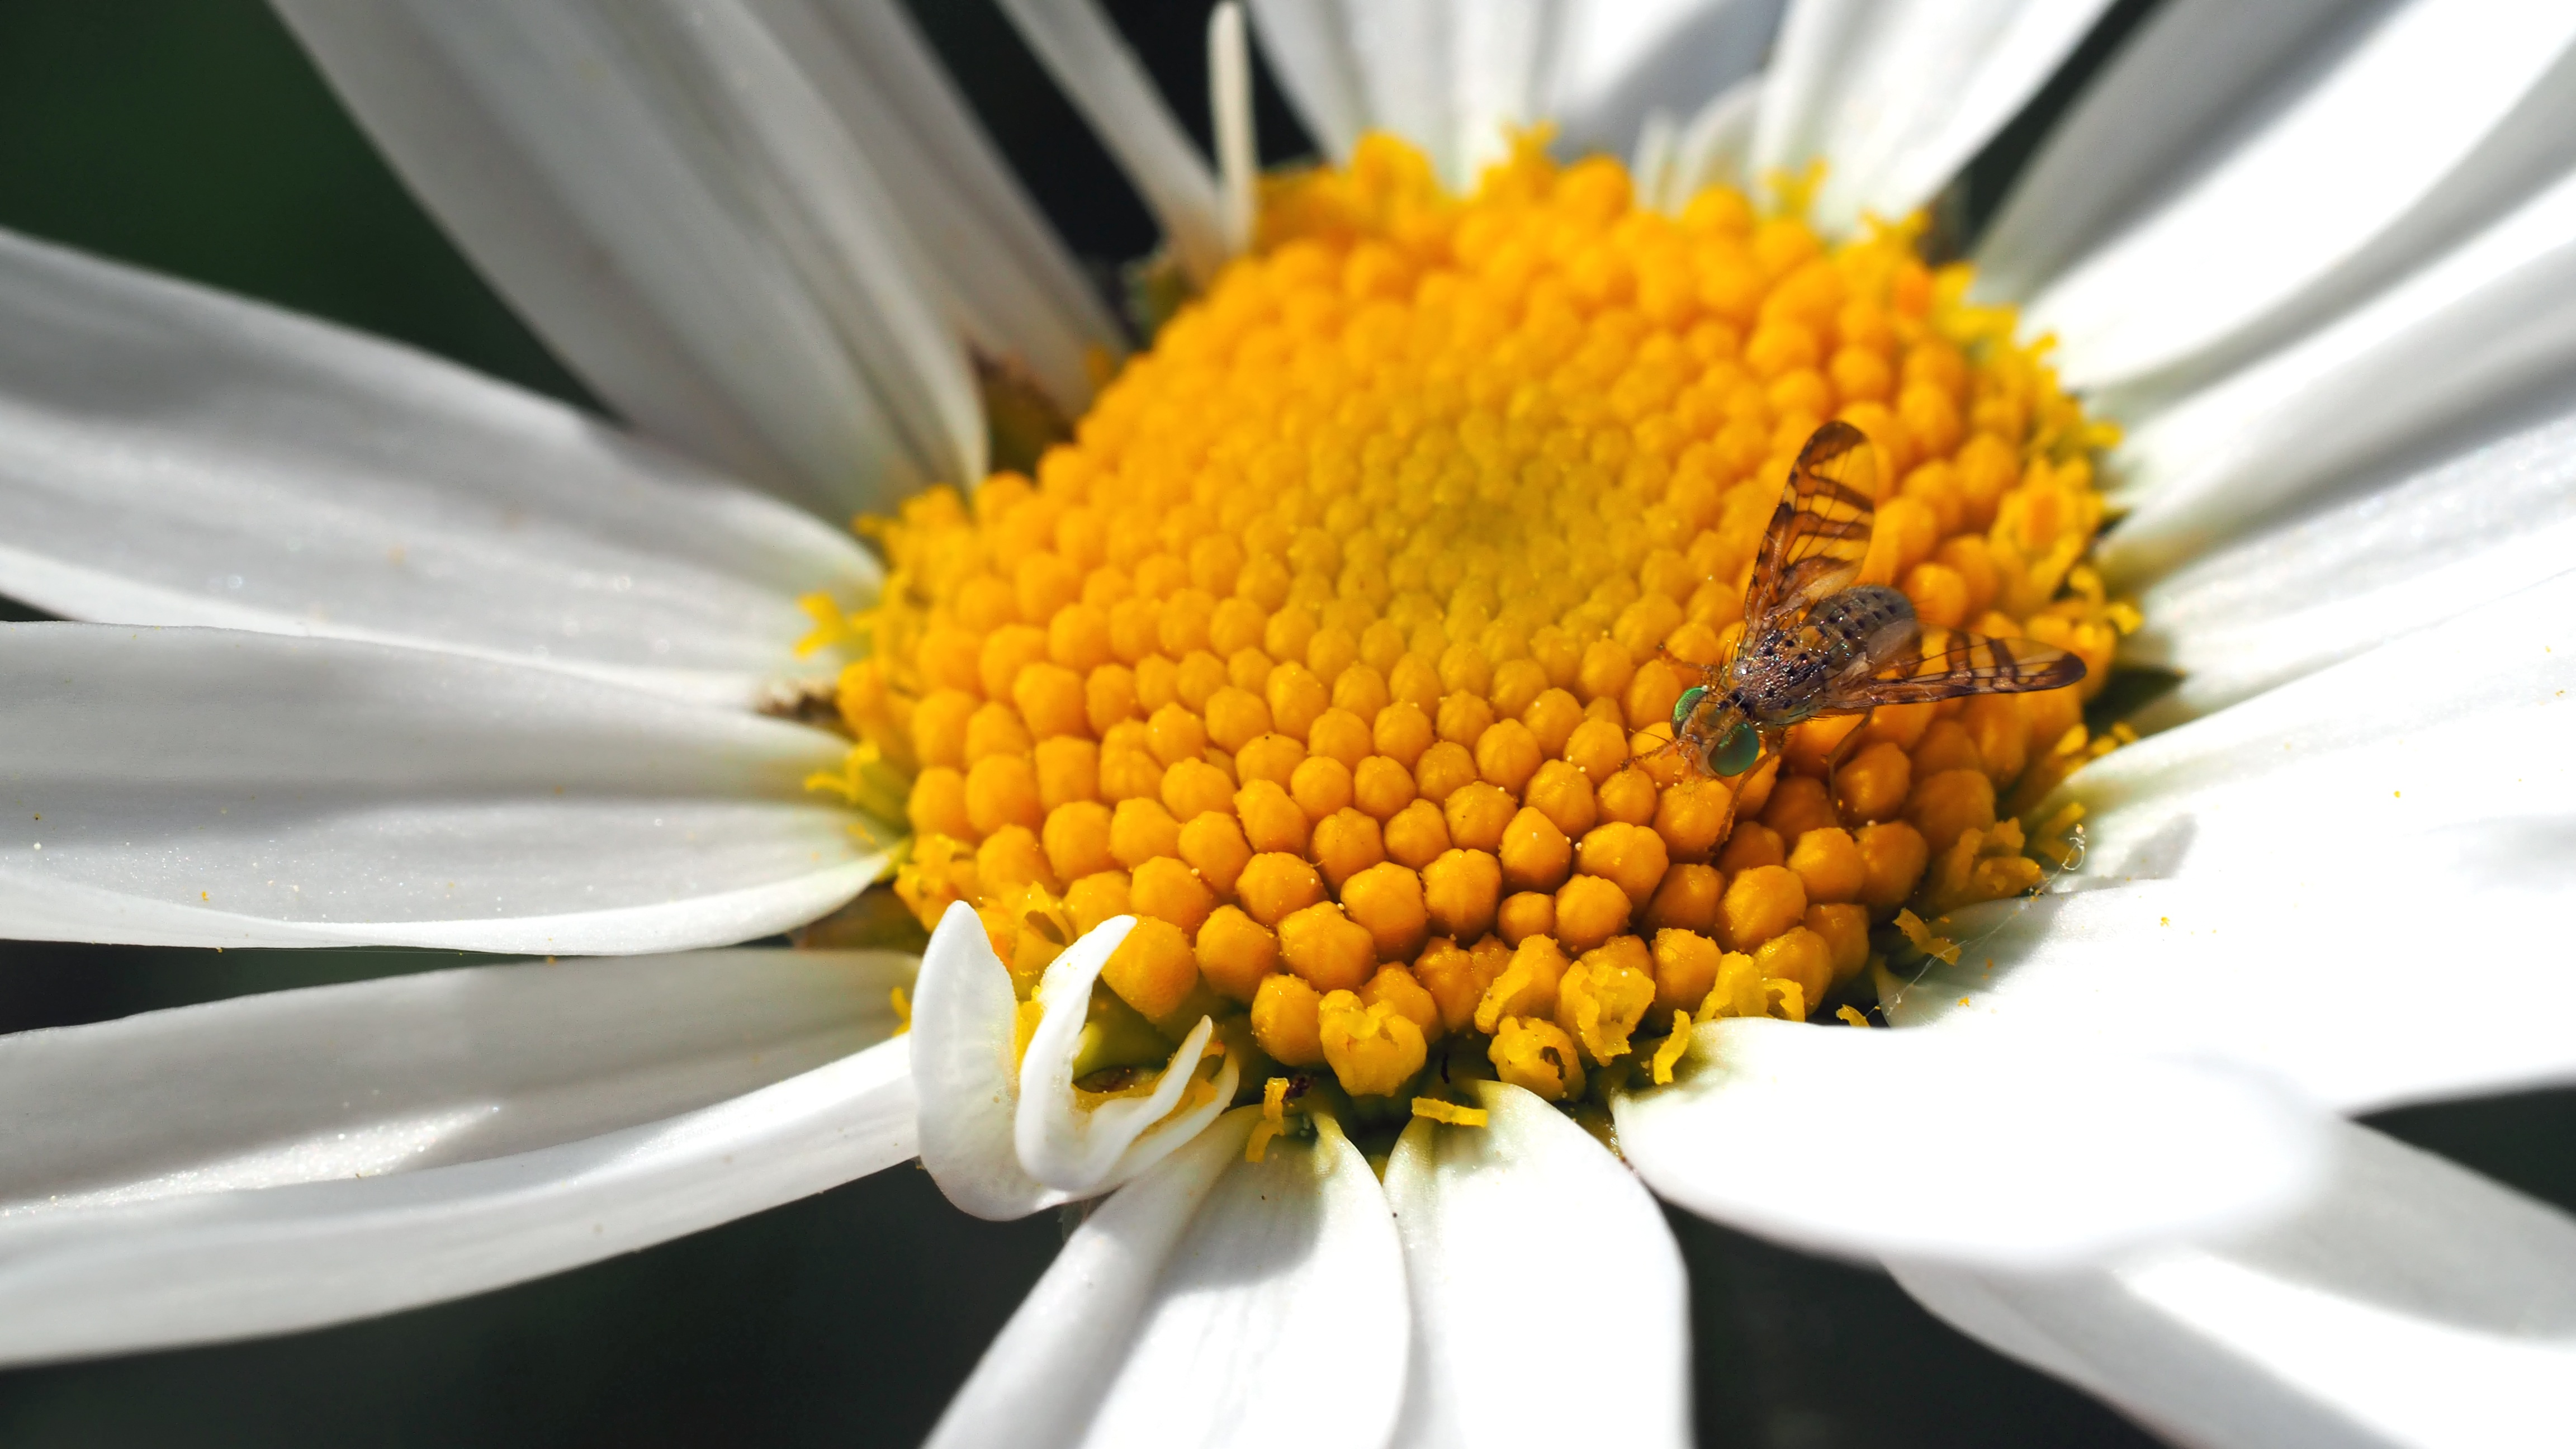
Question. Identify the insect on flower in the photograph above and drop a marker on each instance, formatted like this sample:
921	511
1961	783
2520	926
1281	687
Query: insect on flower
1814	643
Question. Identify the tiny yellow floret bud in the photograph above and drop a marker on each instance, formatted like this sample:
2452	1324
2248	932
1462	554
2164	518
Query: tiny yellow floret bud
1537	1056
1373	1050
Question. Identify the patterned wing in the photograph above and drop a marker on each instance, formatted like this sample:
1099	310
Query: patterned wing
1970	664
1820	531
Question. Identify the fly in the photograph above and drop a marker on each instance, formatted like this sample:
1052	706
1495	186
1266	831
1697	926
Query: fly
1815	643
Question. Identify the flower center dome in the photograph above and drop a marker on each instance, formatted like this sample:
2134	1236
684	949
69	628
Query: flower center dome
1340	645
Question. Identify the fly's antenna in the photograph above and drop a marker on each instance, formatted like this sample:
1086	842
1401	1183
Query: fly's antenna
1673	747
1706	675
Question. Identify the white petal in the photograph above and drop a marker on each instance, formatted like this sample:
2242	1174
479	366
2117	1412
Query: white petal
1309	47
1895	95
1085	1150
673	206
1989	1149
1041	1380
2429	748
169	455
2431	123
1238	154
2281	603
417	1071
2165	101
1454	77
2491	322
1650	166
1448	78
1485	65
1712	149
964	1064
1476	1209
205	787
1012	286
2360	997
2413	1304
2345	855
1187	1310
1286	1253
1105	81
277	1162
1613	63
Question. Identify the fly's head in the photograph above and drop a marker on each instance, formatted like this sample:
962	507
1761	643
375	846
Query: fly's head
1711	726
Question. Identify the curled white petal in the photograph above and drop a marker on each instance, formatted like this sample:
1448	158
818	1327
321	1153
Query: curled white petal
1469	1204
283	1161
1985	1150
2412	1303
1084	1150
965	1033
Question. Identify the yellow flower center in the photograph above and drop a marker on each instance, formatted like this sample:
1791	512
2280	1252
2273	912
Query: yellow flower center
1341	644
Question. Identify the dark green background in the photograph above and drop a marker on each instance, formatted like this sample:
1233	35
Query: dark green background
191	136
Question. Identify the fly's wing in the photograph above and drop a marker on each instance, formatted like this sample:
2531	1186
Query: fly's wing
1970	664
1820	531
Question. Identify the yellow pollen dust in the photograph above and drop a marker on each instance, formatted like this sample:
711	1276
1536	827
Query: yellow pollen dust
1340	645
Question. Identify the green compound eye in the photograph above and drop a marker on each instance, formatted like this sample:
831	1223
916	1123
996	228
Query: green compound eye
1683	706
1736	753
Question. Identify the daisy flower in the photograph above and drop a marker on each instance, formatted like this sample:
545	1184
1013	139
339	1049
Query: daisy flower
1277	755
